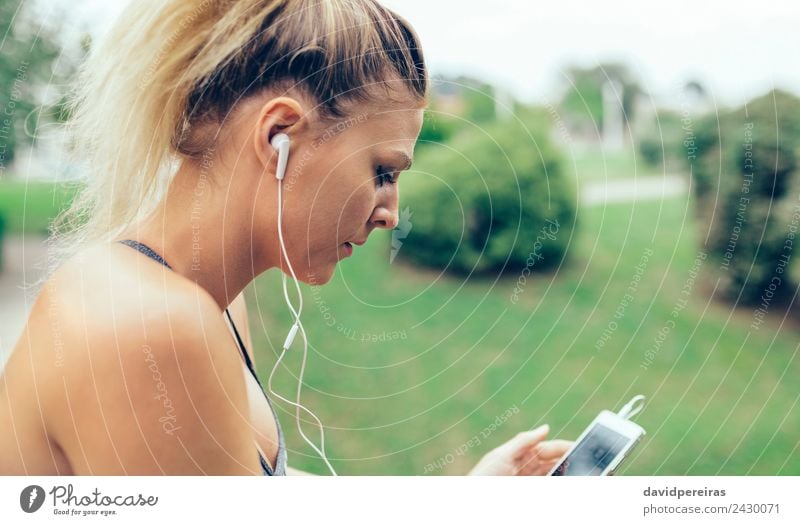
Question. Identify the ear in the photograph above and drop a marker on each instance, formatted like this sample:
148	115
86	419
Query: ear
277	115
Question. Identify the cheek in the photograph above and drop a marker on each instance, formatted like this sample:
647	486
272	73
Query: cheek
331	217
346	203
358	206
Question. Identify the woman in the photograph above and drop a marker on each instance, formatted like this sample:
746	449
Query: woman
127	364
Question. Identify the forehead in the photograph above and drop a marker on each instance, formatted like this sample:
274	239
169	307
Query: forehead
388	121
371	125
395	122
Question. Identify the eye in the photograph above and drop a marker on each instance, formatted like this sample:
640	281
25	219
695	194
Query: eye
384	175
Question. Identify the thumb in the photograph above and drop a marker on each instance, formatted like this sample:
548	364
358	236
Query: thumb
530	437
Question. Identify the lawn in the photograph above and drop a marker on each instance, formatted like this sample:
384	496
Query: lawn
28	207
414	372
598	164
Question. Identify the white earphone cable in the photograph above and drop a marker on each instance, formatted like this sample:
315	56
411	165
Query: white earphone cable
297	326
632	407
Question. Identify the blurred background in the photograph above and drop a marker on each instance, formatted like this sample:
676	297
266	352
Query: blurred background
604	202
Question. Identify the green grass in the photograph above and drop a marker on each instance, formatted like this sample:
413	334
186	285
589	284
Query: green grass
28	207
722	399
598	164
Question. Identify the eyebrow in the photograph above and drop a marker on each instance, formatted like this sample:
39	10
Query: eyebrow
402	159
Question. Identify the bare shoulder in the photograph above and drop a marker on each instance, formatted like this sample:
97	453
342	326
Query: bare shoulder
109	283
103	298
146	379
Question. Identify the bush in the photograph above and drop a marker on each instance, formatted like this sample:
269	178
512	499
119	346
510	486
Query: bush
651	148
494	198
747	182
662	144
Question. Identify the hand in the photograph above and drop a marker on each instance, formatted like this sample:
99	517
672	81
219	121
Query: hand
526	454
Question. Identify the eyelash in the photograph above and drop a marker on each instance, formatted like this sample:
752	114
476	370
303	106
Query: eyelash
381	176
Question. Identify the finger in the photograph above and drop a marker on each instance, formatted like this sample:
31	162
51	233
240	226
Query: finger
553	449
540	459
545	450
529	438
534	467
532	458
525	465
545	468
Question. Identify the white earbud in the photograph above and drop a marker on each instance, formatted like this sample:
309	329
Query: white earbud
281	143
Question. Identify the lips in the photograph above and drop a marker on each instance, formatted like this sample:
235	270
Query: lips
348	246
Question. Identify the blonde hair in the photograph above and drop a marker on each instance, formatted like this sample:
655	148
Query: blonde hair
169	68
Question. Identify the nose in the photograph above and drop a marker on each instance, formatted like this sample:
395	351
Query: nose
383	217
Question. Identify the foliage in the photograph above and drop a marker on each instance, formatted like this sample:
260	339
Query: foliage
495	197
30	62
748	183
663	143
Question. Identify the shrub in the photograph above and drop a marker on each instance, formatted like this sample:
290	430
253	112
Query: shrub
747	182
662	145
494	198
651	149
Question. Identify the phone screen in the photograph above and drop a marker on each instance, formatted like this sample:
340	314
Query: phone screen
593	454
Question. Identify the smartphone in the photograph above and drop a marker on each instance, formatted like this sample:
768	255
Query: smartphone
601	448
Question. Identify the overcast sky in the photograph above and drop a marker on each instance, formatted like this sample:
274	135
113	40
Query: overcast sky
736	49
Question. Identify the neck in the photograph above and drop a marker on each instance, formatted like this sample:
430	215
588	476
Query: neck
203	235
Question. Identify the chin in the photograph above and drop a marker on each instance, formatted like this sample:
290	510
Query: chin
317	276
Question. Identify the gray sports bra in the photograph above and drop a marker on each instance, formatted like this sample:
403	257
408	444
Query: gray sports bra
280	468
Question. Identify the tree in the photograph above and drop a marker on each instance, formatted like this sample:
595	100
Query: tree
583	97
746	178
29	53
